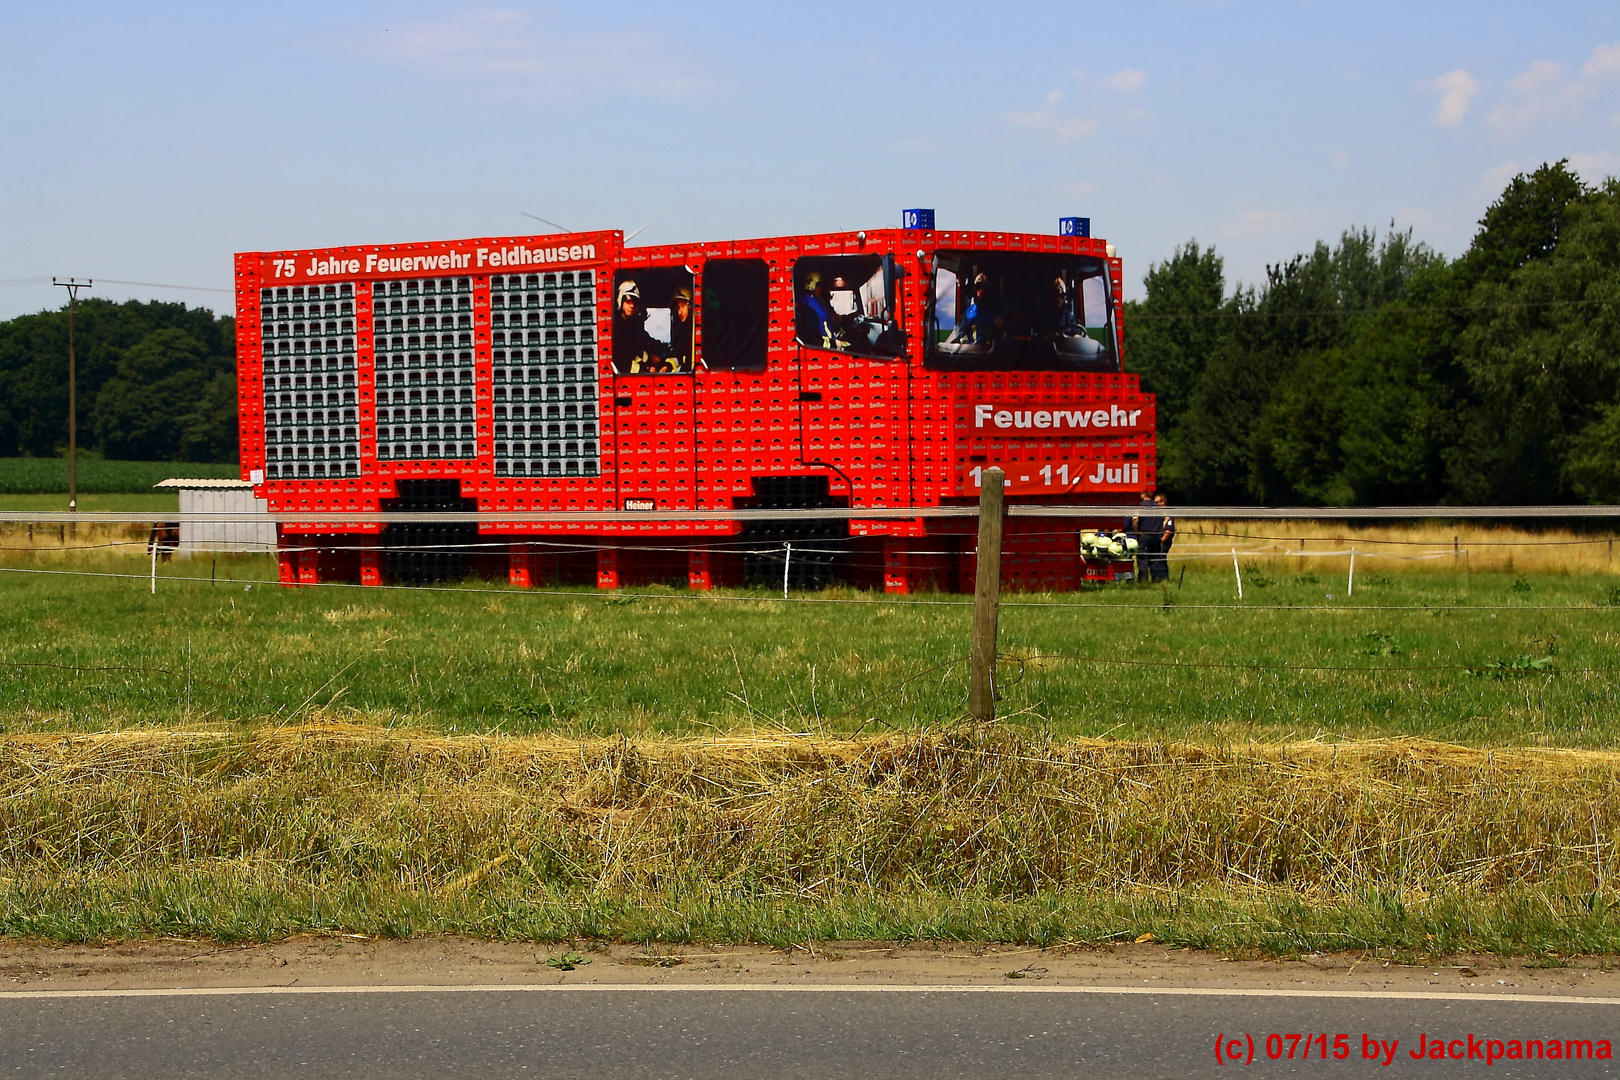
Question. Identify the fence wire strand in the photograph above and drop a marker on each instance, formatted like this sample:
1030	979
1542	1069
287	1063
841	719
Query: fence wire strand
703	596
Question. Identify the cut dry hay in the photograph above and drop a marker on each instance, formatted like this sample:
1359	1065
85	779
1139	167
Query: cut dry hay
1293	545
29	543
965	811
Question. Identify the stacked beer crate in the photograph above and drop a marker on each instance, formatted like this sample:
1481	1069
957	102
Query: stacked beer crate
307	334
422	334
543	339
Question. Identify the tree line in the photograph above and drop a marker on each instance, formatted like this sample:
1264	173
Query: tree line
156	382
1376	372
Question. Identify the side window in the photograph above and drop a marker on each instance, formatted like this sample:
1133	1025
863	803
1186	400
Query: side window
1094	297
846	303
946	291
736	314
653	317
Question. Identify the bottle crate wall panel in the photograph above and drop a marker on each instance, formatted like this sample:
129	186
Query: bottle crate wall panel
423	366
543	340
307	345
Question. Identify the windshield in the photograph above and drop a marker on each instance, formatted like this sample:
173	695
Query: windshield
1020	312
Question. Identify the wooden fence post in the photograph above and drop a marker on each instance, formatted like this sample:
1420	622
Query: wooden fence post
986	597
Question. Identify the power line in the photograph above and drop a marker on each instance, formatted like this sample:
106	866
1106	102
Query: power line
160	285
7	282
1388	308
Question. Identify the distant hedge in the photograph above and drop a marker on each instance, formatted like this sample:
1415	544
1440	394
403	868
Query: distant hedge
48	476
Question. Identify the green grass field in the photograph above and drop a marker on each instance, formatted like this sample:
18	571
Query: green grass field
1482	659
48	476
232	759
144	502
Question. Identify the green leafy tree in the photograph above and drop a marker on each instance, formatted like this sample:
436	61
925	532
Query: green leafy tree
1212	453
1592	465
1541	349
1353	419
33	382
1375	372
1175	331
141	411
1525	223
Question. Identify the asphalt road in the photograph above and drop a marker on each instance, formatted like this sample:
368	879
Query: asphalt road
765	1033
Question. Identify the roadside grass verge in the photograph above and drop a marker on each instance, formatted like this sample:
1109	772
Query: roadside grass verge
967	833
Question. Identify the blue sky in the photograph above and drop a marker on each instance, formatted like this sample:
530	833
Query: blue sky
148	142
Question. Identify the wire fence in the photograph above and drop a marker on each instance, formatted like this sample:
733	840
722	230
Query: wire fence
1248	553
1185	548
339	518
1105	601
1207	541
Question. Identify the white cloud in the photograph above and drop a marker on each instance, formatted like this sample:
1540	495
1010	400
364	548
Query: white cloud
1497	178
1593	167
1546	93
1130	80
533	59
1537	75
1596	167
1455	88
1047	120
1604	63
1126	80
1262	222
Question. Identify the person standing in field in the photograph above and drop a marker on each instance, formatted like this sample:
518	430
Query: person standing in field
1167	536
1146	527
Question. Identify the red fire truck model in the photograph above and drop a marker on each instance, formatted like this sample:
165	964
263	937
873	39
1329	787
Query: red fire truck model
568	373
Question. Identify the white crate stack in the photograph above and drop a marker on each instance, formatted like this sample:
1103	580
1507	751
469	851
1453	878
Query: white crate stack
308	340
422	342
543	338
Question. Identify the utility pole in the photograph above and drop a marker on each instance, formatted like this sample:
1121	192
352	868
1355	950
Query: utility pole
73	285
986	597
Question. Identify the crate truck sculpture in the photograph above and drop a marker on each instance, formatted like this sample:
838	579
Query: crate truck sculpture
568	373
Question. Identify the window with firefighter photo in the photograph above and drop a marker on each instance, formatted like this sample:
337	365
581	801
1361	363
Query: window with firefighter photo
846	303
653	319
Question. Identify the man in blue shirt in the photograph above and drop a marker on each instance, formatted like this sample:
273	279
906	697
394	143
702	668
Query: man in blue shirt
815	322
1146	527
979	323
1167	536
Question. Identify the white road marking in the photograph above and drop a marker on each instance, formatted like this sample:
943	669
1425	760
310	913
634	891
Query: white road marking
1168	991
